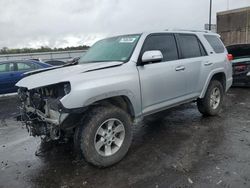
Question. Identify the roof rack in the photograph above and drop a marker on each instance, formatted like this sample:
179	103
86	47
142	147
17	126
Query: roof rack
190	30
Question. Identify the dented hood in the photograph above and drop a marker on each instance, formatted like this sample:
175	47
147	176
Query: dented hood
63	74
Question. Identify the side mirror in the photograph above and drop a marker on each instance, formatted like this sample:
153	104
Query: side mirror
152	56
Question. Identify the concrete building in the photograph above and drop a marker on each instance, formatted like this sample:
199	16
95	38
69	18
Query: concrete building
234	26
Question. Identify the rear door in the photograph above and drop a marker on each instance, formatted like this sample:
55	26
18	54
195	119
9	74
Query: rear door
162	81
193	58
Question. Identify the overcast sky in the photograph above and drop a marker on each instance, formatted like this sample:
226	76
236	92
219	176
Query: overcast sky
61	23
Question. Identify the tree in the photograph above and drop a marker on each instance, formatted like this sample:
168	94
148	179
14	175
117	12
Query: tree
4	50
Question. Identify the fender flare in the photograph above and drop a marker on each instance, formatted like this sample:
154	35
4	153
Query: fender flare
121	93
209	78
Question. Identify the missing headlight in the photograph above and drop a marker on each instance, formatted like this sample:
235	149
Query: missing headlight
22	94
67	88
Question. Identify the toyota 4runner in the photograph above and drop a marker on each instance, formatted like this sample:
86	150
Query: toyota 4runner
118	82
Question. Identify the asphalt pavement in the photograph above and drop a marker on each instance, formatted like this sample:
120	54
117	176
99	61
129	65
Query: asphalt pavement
175	148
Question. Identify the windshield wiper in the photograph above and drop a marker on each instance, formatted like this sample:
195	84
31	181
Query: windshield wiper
75	61
83	62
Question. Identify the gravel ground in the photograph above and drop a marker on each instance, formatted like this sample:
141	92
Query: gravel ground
175	148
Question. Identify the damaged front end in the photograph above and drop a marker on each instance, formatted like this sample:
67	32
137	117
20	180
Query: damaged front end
42	111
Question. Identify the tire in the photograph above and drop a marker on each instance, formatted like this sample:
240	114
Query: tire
102	125
205	105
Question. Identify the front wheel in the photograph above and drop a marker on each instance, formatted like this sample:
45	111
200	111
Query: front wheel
211	104
104	136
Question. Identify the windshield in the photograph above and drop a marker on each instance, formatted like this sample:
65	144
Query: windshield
111	49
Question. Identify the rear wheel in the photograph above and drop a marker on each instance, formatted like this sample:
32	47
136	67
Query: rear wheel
212	102
104	136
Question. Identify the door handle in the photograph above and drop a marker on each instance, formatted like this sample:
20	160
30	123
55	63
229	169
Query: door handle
208	63
180	68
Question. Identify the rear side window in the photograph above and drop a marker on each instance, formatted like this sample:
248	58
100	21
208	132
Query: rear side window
190	46
216	43
165	43
36	66
24	66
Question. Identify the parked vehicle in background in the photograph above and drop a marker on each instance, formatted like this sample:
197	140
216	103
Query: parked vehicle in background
55	62
36	59
118	82
241	64
13	71
73	60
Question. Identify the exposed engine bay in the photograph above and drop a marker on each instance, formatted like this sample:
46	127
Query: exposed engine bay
41	110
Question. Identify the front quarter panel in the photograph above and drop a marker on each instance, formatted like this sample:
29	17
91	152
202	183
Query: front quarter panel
97	85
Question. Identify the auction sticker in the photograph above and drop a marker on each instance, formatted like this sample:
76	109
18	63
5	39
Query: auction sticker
127	40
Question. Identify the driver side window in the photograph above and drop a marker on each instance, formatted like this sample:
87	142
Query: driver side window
166	43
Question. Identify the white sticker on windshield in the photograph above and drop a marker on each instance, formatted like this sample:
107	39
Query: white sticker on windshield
127	40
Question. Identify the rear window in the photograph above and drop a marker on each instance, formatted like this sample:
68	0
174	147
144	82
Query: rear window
190	46
23	66
216	43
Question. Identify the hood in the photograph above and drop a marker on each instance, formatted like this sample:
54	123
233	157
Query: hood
239	50
62	74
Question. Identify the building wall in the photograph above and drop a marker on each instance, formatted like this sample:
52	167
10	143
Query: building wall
234	26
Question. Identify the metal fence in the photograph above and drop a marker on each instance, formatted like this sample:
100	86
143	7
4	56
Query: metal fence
45	56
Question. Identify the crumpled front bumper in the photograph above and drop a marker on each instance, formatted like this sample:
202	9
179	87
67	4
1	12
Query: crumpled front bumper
50	116
39	123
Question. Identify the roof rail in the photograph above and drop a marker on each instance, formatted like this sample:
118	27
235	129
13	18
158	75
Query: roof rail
190	30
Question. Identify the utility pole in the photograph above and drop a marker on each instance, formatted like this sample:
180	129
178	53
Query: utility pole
210	15
228	5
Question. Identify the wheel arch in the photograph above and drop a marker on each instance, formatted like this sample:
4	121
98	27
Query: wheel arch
218	75
121	101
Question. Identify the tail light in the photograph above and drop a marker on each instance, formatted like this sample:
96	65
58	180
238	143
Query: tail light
230	57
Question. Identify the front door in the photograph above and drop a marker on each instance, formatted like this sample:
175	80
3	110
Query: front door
162	81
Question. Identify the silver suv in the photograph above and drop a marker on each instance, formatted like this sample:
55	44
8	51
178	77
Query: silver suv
118	82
